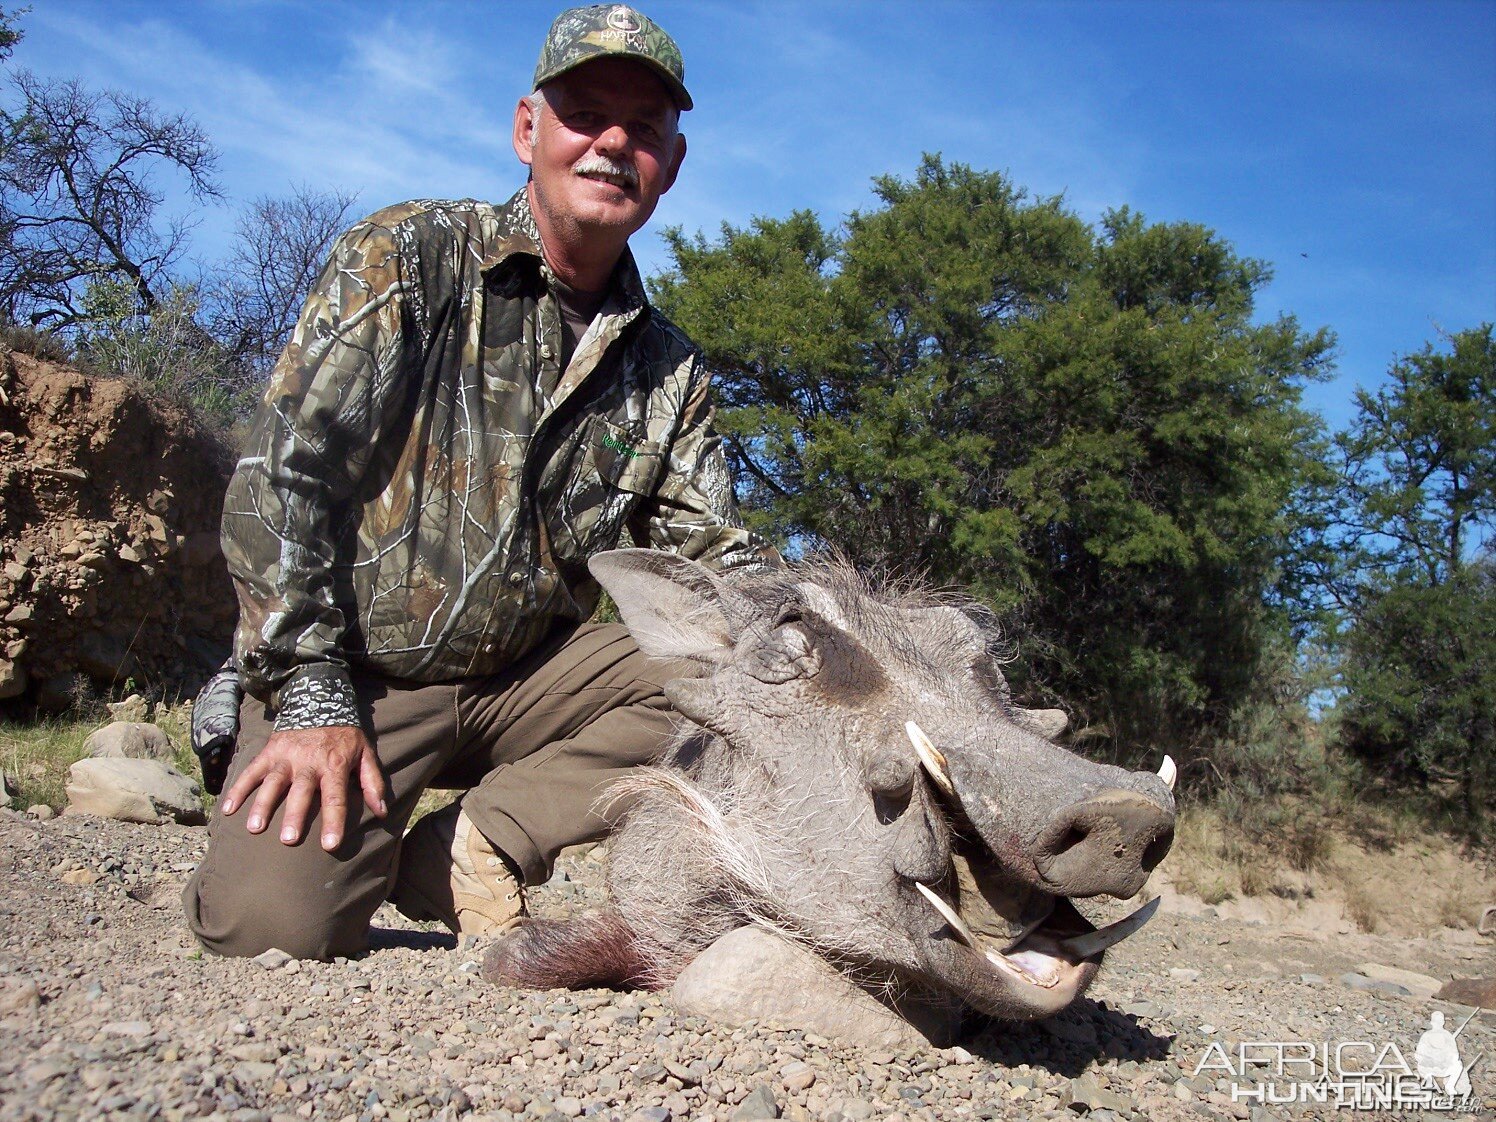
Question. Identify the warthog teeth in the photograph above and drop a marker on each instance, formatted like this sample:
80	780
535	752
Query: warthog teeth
948	913
1084	946
931	757
1168	772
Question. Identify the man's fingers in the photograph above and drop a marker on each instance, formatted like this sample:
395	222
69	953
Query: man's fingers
272	790
334	809
298	808
248	780
371	780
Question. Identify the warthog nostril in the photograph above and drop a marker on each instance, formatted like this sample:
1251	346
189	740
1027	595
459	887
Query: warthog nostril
1104	845
1157	850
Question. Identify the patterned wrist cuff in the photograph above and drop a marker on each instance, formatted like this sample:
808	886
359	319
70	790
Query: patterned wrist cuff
317	700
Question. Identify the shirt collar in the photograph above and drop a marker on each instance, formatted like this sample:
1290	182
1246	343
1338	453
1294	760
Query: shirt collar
516	235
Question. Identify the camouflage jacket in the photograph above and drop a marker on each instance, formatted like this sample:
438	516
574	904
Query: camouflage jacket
414	502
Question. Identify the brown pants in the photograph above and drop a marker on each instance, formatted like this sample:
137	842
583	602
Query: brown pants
533	747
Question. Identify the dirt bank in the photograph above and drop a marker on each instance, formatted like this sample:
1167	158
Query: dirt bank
109	560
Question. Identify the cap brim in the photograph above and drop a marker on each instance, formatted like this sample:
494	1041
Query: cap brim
672	83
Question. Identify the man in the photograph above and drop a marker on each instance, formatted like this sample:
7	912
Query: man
475	400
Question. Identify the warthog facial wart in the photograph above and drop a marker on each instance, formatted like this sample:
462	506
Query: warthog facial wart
853	775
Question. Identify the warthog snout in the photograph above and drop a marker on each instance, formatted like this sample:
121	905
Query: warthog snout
1104	845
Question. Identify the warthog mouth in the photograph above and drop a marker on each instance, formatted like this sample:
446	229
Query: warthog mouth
1015	952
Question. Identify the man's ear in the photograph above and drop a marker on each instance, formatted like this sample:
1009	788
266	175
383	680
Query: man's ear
680	156
524	131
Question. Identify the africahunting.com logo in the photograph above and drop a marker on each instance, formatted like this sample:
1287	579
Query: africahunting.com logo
1349	1074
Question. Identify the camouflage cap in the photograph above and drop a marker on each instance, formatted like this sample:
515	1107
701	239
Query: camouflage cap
580	35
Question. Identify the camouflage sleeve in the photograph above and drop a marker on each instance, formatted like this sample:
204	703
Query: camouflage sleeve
329	399
694	512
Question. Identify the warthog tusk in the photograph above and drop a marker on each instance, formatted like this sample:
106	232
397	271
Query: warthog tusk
1084	946
948	913
931	757
1168	772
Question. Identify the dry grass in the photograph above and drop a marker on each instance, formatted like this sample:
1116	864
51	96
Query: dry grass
1383	868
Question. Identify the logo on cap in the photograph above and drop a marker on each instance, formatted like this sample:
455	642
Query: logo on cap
622	19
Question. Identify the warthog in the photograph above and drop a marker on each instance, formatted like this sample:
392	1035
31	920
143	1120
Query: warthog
854	776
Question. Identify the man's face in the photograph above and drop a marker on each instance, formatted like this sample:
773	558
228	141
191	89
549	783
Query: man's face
605	149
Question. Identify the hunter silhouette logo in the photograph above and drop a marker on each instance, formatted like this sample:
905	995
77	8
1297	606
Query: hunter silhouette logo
1438	1058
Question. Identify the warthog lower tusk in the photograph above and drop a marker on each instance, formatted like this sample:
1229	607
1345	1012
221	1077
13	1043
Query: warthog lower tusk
1084	946
948	913
931	757
1168	772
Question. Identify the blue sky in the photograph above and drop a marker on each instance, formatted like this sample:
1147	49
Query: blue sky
1353	145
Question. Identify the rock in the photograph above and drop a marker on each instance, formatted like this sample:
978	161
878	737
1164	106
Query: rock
1420	984
20	615
1373	985
129	739
1085	1093
9	788
752	975
136	1029
41	812
13	679
133	708
134	791
81	877
797	1076
1470	991
273	959
1182	974
759	1105
18	995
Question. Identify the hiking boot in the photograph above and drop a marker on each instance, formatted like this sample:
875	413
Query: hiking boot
450	872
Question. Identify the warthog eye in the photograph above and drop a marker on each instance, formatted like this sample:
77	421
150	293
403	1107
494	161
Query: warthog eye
789	651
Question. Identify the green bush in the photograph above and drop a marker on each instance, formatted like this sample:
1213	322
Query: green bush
1420	673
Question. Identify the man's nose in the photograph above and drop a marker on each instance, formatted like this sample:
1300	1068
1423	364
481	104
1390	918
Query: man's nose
613	140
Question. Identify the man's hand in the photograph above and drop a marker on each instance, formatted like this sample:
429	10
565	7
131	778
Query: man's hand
301	766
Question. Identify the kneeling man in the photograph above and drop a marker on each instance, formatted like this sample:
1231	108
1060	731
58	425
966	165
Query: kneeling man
475	400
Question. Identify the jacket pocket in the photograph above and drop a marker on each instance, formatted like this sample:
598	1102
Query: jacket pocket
609	472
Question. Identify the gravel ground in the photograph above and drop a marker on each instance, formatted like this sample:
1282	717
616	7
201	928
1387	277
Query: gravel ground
108	1010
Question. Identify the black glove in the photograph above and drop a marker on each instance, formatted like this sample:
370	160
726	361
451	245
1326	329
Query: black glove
215	725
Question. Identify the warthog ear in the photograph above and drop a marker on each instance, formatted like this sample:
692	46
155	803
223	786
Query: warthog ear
673	607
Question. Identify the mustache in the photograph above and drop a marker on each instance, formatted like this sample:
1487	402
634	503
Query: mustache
603	165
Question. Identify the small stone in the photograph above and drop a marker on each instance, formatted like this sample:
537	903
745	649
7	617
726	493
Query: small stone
17	995
273	959
82	877
44	1071
650	1114
136	1029
253	1071
1181	974
759	1104
1312	979
41	812
569	1106
1086	1093
797	1076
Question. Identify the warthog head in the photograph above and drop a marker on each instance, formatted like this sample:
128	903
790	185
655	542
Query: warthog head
856	777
